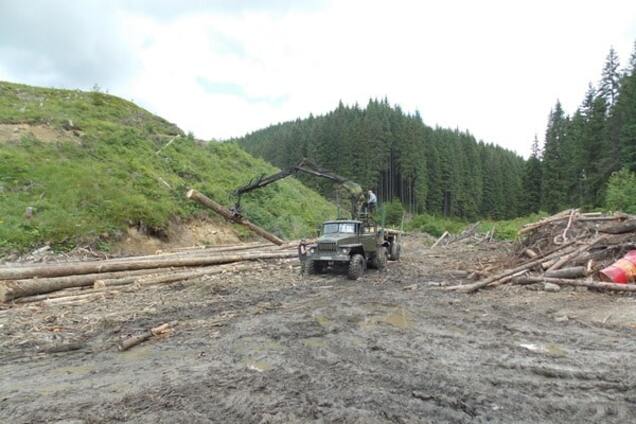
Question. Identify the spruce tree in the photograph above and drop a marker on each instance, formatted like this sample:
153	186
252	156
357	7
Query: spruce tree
532	181
554	197
625	111
610	80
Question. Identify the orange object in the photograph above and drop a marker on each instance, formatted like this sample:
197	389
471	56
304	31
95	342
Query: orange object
622	271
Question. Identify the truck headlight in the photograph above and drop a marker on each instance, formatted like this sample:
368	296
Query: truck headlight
311	250
345	250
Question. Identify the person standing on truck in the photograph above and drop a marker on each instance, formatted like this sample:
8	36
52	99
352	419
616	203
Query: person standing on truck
372	202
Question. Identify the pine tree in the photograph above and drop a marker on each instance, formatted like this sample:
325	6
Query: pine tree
532	181
553	183
395	153
610	80
625	111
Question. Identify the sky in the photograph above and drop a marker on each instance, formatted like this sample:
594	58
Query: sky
225	68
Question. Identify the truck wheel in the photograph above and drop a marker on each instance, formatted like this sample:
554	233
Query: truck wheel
356	266
309	267
380	258
394	254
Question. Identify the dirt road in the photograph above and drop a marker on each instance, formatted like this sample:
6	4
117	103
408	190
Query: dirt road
272	347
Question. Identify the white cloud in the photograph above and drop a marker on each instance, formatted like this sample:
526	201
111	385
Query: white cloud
493	67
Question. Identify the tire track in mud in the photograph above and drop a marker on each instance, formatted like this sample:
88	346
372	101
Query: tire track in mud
278	348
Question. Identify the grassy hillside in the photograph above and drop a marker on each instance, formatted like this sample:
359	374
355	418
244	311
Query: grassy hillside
89	164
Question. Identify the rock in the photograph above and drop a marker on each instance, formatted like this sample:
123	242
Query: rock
551	287
561	318
68	125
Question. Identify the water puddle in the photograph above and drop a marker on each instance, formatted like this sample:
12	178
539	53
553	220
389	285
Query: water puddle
399	318
259	366
315	342
76	370
323	321
550	349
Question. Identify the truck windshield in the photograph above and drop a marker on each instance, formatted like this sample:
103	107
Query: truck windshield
339	228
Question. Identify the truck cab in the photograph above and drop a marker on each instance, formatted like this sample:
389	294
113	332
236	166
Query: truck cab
347	244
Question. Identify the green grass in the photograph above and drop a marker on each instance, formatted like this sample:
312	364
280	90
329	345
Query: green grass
111	177
508	229
504	230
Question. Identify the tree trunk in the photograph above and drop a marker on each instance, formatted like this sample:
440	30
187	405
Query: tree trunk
469	288
206	201
567	258
135	340
624	227
10	290
578	283
572	272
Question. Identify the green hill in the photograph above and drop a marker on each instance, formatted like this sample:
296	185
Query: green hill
429	170
91	164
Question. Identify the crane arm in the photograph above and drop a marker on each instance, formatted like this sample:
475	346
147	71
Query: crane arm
308	167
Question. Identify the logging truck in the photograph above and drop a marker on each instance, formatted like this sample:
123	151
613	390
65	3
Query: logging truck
352	244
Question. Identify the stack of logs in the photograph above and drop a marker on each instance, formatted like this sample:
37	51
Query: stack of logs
75	281
469	235
568	248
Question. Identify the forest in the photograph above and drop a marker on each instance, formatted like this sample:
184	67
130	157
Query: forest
434	170
449	172
585	151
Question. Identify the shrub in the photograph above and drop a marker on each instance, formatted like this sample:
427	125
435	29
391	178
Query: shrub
435	225
394	211
621	191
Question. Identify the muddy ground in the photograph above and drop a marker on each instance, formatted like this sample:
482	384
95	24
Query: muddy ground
273	347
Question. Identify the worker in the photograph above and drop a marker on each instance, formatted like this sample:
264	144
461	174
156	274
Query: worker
372	202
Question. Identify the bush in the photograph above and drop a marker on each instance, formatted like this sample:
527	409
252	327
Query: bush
621	191
508	229
394	211
435	225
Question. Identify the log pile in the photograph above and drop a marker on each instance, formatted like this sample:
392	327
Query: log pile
568	248
58	282
468	235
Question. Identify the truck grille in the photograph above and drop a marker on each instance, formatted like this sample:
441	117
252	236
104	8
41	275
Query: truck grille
327	247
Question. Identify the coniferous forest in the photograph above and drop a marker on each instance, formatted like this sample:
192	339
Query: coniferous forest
449	172
433	170
583	150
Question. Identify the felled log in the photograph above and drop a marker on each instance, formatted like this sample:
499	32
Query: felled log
72	293
469	288
600	217
627	226
571	272
10	290
578	283
530	253
169	277
468	232
567	258
439	240
557	217
225	213
135	340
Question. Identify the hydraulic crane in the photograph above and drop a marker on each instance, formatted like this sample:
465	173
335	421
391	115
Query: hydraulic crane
308	167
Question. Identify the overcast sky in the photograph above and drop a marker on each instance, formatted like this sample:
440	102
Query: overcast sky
224	68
